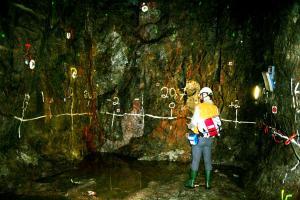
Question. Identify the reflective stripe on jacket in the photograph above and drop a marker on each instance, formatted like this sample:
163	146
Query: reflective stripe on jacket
204	111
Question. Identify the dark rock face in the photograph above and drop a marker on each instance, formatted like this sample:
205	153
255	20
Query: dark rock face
124	77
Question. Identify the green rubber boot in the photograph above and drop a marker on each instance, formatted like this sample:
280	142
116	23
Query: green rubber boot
207	179
190	182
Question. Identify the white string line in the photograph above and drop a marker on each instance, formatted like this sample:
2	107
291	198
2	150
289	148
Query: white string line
43	116
286	138
121	115
140	115
240	122
171	117
226	120
295	166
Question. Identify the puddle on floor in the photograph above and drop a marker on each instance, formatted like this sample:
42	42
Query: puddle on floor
110	177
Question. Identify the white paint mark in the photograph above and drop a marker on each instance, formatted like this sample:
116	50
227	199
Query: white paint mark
24	107
43	96
116	101
113	118
143	111
72	119
236	106
292	86
296	91
32	64
172	105
172	94
68	35
165	94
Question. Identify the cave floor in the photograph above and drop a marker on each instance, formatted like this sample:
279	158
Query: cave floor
113	177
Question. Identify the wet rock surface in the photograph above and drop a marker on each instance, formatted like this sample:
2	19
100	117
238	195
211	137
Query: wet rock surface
223	189
94	58
121	178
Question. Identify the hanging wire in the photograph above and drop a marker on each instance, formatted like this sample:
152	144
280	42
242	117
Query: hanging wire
295	152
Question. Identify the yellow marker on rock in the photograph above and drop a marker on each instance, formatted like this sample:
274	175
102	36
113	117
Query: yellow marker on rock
286	197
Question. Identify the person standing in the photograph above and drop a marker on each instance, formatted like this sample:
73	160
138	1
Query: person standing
205	125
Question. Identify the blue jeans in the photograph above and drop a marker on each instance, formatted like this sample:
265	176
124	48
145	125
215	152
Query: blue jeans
203	147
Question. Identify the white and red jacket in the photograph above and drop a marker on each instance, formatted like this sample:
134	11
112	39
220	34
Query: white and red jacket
206	119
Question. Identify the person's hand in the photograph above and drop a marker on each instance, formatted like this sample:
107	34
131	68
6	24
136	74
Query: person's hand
190	126
187	135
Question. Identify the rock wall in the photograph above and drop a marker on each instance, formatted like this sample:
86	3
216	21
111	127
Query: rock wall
278	171
112	76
